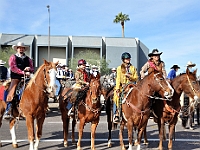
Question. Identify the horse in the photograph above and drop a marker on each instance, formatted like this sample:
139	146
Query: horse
88	110
167	111
33	103
136	104
2	110
107	89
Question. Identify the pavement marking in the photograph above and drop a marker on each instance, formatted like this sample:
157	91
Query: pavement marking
98	140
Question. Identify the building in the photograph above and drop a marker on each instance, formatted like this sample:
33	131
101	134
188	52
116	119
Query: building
63	48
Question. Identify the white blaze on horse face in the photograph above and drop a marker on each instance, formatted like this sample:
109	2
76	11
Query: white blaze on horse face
52	75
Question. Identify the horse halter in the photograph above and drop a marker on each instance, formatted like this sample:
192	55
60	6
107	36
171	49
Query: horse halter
194	91
166	94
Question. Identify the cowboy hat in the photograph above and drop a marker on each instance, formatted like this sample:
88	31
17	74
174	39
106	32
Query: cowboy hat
113	69
154	52
190	64
19	44
93	66
2	62
175	66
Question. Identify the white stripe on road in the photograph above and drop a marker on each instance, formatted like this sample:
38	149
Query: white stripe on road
99	140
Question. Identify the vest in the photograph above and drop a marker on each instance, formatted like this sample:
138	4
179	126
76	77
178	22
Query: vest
3	73
22	63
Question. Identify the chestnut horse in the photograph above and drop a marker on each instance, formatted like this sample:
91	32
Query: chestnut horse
2	110
88	111
33	103
167	112
136	104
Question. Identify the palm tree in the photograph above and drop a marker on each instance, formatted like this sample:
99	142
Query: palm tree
121	18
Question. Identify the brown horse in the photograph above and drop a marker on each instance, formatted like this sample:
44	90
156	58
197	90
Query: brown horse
136	104
167	112
88	111
34	101
107	90
2	110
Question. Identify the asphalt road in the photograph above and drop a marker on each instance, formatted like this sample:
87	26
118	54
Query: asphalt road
52	138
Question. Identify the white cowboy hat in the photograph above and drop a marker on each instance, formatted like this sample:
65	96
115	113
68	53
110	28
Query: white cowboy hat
19	44
190	64
113	69
2	62
93	66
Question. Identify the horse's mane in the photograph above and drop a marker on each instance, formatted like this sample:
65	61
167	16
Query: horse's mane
35	75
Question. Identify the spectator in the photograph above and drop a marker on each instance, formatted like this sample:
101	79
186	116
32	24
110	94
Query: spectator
3	71
113	75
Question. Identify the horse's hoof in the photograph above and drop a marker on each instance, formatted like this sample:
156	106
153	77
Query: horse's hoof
15	145
109	145
79	148
146	143
0	144
65	144
74	142
191	128
123	148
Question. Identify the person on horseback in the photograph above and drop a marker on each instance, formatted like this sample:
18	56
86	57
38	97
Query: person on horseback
153	63
113	75
82	80
172	74
126	73
20	65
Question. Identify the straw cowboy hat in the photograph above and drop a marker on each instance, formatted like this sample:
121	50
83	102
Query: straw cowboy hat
113	69
19	44
154	52
93	66
190	64
2	62
175	66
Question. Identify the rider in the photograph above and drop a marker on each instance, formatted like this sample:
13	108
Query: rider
20	66
113	75
172	74
126	73
82	80
153	63
190	66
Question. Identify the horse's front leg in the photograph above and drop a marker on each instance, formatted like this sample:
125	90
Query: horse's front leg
161	132
73	129
39	125
171	133
30	130
121	135
109	120
81	126
93	130
130	133
65	121
12	132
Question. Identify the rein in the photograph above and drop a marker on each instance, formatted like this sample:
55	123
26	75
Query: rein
95	111
194	91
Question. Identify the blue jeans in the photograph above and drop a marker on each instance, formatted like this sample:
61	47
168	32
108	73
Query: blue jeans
58	87
8	107
114	108
69	105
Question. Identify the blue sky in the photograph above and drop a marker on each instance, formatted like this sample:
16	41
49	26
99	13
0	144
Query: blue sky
172	26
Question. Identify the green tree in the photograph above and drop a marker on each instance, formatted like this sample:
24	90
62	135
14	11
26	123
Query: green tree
91	58
122	18
5	54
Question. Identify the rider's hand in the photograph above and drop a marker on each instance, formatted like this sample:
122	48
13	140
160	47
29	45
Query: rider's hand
27	74
27	69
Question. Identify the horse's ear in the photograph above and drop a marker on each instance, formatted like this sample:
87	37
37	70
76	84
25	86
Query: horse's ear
45	61
57	63
195	71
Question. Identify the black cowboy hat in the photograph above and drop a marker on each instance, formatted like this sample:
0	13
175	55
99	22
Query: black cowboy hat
154	52
175	66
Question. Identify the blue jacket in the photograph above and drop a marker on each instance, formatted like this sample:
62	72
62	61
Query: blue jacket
171	75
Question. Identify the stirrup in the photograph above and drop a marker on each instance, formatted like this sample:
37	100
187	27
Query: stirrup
70	112
116	119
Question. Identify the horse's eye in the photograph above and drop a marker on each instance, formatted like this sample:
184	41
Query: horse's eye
193	82
161	78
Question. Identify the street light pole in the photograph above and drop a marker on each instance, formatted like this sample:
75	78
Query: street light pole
48	7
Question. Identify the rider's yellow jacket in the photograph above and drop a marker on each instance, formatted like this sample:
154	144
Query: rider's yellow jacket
122	79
